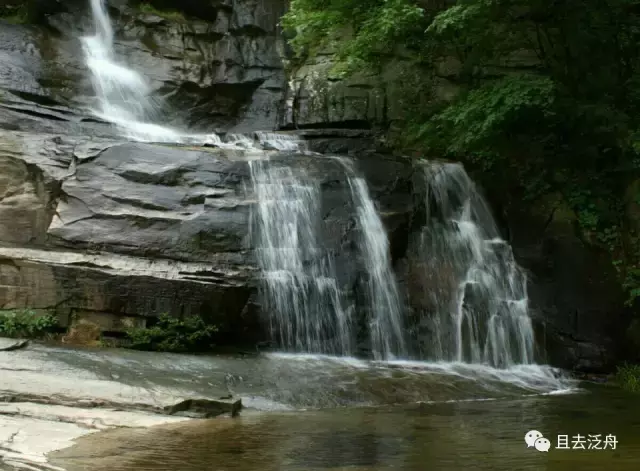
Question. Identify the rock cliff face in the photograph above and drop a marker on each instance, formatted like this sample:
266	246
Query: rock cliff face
576	294
219	64
115	232
99	229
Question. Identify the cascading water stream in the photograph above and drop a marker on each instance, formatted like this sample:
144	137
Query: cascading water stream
300	291
280	141
478	294
480	327
125	99
386	324
386	327
124	96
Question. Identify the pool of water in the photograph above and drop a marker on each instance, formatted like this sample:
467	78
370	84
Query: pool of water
469	434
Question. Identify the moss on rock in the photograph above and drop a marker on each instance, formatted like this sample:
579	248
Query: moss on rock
171	15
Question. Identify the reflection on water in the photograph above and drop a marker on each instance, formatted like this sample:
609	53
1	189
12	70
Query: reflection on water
478	435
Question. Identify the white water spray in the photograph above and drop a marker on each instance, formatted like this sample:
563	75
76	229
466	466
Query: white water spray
280	141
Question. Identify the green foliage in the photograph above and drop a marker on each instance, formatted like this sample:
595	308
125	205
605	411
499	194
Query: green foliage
171	15
479	119
360	31
457	19
632	283
14	14
628	377
171	334
26	324
547	93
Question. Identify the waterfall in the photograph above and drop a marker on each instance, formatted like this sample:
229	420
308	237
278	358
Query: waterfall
476	291
124	96
300	291
280	141
386	325
475	306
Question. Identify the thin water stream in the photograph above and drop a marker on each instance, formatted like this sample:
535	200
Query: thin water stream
125	98
386	324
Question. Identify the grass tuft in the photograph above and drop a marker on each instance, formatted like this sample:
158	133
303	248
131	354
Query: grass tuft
628	377
170	334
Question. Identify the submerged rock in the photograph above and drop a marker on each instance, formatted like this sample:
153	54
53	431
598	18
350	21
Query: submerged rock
205	408
9	345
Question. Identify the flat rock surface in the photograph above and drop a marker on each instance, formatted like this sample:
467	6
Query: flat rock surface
49	396
28	432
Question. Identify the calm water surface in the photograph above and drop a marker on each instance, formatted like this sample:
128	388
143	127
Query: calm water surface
479	435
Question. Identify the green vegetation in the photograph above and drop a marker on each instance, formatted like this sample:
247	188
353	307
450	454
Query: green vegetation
628	377
26	324
14	14
171	15
547	95
170	334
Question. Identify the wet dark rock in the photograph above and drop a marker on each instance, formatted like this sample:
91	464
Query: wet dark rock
205	408
594	377
67	401
583	355
340	141
577	299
